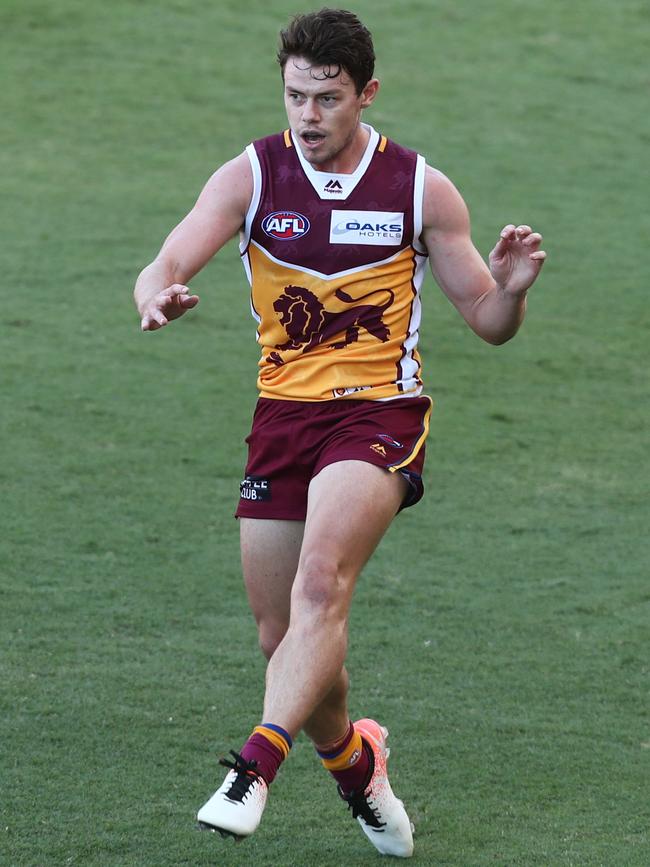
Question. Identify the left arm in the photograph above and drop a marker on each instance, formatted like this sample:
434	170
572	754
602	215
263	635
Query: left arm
492	300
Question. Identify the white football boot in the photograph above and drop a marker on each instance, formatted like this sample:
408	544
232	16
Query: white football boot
236	807
381	815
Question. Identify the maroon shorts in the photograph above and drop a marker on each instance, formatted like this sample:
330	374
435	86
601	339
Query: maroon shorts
291	441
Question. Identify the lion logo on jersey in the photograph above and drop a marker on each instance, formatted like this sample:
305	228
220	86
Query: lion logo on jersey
309	325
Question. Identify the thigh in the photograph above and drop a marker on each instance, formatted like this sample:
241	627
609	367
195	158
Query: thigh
350	506
270	551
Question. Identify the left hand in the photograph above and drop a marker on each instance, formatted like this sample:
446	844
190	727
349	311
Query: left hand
516	259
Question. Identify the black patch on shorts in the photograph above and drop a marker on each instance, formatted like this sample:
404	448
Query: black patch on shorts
255	488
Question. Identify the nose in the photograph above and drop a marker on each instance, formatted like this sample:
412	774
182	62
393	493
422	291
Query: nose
310	112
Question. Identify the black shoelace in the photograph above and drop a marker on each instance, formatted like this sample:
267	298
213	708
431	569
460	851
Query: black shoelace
246	775
360	806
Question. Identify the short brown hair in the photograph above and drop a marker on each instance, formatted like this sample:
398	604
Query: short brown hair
333	38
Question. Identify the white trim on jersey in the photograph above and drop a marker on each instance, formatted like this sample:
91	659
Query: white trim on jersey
346	183
416	393
409	366
256	316
418	204
246	262
255	201
304	270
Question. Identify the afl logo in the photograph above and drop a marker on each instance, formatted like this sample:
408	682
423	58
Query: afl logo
285	225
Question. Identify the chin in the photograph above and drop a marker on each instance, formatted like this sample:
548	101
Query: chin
317	159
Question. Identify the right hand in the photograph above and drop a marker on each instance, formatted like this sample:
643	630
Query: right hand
166	305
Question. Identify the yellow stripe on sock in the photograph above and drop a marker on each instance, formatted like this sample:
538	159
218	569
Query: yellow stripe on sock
350	755
276	739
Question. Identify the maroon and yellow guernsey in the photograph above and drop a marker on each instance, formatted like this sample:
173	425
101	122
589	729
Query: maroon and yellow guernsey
336	266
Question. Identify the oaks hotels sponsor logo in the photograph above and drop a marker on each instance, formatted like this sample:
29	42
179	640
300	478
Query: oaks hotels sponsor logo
285	225
366	227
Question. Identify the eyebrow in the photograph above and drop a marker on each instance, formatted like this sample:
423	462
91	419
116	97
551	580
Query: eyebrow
330	92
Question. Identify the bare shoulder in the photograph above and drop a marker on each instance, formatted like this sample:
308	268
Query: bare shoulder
231	186
237	169
218	214
443	206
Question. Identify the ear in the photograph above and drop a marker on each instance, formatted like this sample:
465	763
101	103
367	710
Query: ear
369	92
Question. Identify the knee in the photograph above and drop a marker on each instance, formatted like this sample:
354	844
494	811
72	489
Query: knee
270	635
320	588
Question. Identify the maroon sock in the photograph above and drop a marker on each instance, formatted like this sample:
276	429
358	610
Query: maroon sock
268	757
356	778
351	778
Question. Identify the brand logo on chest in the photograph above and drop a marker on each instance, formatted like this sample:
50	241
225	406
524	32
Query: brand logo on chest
285	225
333	186
367	227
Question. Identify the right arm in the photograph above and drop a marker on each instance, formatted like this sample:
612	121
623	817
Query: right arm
161	293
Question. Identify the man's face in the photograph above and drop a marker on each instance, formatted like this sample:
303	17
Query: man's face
323	113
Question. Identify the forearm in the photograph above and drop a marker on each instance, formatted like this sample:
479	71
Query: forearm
497	314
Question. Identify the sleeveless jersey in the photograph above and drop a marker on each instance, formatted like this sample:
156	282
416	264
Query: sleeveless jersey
335	268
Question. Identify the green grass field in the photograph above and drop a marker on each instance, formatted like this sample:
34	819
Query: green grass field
501	631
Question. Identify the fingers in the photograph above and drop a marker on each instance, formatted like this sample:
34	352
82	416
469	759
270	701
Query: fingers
525	235
506	235
532	241
166	305
153	321
516	233
173	293
187	301
179	296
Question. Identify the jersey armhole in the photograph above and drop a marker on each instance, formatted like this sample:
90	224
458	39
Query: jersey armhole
255	198
418	204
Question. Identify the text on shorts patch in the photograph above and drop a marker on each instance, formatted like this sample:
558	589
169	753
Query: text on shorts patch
255	488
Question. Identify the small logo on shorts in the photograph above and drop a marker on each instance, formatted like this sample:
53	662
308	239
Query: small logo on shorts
377	447
255	488
386	438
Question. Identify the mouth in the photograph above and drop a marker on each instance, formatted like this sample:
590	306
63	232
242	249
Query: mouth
312	139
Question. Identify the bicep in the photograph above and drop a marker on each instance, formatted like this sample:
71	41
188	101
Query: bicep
456	264
217	216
